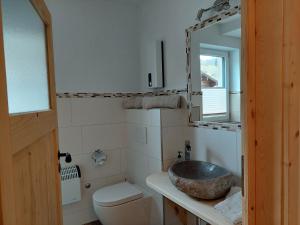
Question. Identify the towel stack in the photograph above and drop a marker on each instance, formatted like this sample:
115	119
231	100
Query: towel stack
231	207
169	102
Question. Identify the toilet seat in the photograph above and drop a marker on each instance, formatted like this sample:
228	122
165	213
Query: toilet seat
116	194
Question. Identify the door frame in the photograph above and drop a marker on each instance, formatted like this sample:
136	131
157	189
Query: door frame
271	85
248	109
252	147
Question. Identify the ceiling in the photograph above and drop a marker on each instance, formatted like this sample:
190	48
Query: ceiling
231	27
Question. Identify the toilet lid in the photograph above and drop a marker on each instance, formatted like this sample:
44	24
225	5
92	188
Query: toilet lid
117	194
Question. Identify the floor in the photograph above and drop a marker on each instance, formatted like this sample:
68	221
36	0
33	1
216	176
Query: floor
93	223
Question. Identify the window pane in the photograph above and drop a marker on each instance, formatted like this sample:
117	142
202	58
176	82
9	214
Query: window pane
214	101
25	57
212	71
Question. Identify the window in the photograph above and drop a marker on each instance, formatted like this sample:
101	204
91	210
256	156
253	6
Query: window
25	57
214	84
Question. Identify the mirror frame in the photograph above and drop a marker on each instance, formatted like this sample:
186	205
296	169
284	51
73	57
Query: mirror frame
188	34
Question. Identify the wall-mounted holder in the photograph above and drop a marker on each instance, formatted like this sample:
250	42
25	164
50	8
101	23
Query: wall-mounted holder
68	157
99	157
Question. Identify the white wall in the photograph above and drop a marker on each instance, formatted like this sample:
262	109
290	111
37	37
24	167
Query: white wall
235	71
167	20
95	45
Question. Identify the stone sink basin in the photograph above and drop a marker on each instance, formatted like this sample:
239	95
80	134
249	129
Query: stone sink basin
201	180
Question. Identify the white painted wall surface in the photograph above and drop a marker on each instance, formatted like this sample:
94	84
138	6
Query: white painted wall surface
95	45
167	20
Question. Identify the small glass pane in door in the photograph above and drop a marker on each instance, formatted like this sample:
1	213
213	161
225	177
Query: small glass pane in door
25	57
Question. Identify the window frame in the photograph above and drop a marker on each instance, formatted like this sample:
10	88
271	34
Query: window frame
218	117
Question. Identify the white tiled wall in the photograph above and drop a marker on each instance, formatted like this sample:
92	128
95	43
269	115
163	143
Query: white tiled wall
98	111
145	153
174	123
216	146
137	143
221	147
86	125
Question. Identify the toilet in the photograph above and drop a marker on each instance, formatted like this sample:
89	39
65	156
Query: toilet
122	204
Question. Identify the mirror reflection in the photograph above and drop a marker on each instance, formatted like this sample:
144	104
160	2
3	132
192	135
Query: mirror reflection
215	69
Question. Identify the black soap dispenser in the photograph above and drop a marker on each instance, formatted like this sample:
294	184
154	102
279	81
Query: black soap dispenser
179	157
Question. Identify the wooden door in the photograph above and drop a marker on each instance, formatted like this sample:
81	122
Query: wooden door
29	174
272	84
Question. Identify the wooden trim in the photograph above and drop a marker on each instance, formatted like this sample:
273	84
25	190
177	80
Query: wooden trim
51	71
178	211
248	108
42	10
269	130
7	201
272	111
291	185
48	120
45	15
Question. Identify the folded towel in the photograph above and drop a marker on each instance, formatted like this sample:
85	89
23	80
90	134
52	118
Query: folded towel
133	103
170	102
232	208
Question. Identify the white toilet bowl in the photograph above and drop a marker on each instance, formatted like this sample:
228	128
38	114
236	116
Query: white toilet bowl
122	204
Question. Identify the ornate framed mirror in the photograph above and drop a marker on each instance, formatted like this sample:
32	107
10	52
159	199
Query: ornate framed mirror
213	48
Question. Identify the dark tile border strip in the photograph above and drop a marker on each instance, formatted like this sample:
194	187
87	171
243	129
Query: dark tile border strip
123	95
209	125
229	126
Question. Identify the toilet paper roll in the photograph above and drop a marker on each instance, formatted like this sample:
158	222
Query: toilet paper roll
99	157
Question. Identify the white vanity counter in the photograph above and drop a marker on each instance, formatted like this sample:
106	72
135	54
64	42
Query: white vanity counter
161	183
